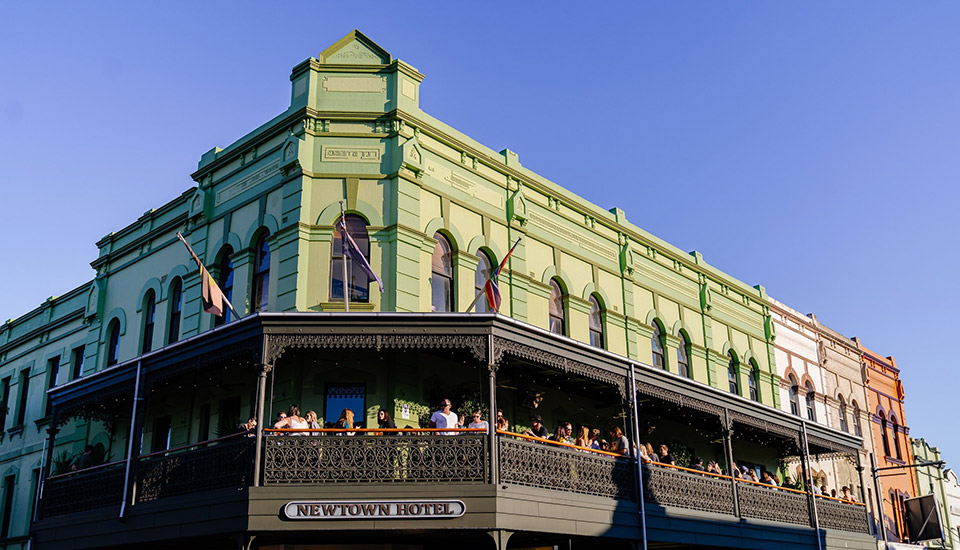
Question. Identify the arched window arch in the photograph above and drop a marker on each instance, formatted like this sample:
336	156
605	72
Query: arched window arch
754	381
484	269
657	344
359	284
733	373
794	394
883	433
811	399
557	318
441	279
596	323
149	320
856	419
176	309
842	409
113	343
225	281
683	356
896	437
261	274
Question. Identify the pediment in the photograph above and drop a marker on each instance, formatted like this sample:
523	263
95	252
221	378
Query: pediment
355	49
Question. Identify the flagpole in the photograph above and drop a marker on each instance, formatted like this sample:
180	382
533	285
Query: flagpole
343	254
475	300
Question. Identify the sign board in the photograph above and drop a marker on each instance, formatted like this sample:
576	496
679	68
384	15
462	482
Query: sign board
373	509
923	518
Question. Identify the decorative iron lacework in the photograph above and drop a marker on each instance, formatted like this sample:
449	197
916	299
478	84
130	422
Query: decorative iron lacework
773	504
836	447
502	346
83	491
88	411
279	343
224	464
346	391
550	467
380	459
669	487
248	351
846	517
678	399
767	426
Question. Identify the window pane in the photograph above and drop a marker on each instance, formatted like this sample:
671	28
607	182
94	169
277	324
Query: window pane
261	276
359	284
480	280
556	309
656	343
596	323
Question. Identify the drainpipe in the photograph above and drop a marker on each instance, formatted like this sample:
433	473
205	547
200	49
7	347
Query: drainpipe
636	430
813	497
132	436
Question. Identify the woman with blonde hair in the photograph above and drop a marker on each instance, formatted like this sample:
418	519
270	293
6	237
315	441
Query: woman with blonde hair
312	422
293	421
583	438
346	422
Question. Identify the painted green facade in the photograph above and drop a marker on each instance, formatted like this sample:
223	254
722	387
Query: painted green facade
930	481
355	131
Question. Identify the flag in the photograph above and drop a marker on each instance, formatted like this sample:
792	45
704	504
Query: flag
213	298
352	251
490	288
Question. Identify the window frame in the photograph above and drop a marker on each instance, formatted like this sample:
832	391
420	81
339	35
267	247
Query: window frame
260	289
733	373
225	275
557	321
753	382
359	290
176	311
445	279
683	356
595	323
113	343
149	316
480	280
810	401
793	395
658	341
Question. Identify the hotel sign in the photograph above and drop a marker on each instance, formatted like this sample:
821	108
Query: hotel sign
374	509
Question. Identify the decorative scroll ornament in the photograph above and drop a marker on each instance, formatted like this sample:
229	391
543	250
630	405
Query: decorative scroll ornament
538	465
680	400
767	426
771	504
669	487
277	344
502	346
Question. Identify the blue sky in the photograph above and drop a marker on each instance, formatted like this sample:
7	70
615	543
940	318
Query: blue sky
811	147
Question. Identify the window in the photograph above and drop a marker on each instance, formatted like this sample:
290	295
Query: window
683	357
733	373
113	343
77	369
229	417
203	430
24	390
856	420
8	489
557	323
441	281
4	402
754	381
53	371
340	397
176	308
842	409
359	283
484	268
225	281
896	437
161	434
261	275
657	345
794	396
149	318
811	399
596	323
883	434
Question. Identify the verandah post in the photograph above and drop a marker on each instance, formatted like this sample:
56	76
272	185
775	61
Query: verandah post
492	415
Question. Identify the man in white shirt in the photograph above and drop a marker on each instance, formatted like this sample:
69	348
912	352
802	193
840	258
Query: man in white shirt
444	418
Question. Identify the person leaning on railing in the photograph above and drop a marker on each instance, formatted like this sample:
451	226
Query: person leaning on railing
502	423
445	417
384	422
292	420
618	441
478	422
563	433
537	429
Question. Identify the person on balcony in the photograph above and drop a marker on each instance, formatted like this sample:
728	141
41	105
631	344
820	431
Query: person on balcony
248	427
665	457
736	471
477	421
713	468
345	423
385	422
313	422
563	433
697	465
618	441
292	420
445	418
750	475
788	483
502	424
537	428
594	439
648	448
583	437
768	479
847	495
84	461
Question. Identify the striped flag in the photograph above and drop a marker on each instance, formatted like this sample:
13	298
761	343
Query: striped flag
352	251
490	288
213	298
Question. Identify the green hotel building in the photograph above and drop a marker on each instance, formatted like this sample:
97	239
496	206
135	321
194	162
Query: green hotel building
122	398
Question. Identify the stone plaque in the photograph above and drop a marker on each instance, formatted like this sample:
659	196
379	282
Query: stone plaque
342	153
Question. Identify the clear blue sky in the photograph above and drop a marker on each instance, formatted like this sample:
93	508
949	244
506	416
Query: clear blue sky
811	147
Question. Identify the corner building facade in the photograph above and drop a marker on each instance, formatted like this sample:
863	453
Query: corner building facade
603	325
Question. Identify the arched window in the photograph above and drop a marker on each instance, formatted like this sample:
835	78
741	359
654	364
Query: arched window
484	268
261	275
176	308
657	344
842	408
883	434
557	324
113	343
733	373
442	279
149	319
754	381
596	323
856	420
359	283
811	399
896	437
794	396
683	356
225	280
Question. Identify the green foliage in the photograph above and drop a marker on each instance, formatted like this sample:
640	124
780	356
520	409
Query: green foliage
417	410
226	426
62	462
682	455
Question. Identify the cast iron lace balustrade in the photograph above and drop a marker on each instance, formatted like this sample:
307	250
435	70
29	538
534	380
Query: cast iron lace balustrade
417	458
218	465
773	504
672	487
565	469
843	516
83	490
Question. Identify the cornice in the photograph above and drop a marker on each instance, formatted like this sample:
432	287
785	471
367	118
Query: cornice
53	324
152	214
134	244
